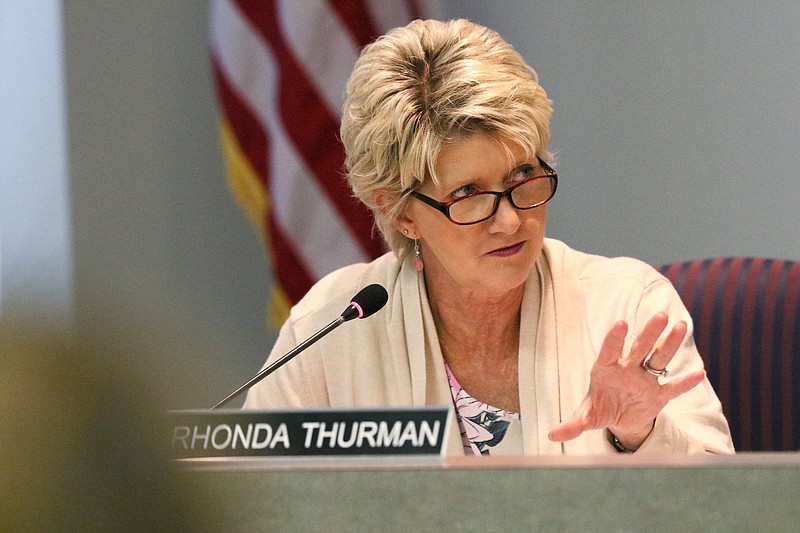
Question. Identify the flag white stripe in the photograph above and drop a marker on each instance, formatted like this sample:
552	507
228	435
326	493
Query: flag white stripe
323	46
321	238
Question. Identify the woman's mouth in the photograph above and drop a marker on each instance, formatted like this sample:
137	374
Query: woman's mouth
507	250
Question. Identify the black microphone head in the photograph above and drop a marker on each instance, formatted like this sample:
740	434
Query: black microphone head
367	302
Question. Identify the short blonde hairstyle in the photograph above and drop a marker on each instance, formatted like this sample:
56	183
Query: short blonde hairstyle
422	86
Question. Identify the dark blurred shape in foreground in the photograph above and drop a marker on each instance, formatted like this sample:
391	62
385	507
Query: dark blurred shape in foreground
81	443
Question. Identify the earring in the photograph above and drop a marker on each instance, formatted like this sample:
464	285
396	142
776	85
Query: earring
417	262
418	265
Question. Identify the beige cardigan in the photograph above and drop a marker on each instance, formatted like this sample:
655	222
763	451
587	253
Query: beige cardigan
571	301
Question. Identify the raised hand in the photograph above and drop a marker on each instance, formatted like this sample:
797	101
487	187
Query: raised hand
623	395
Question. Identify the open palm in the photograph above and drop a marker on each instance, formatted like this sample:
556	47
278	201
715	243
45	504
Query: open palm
622	396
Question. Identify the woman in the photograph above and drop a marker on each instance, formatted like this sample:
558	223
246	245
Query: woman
540	348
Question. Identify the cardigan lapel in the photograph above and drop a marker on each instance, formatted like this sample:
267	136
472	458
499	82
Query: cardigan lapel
571	343
429	384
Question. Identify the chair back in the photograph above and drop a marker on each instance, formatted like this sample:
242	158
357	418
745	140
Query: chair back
746	314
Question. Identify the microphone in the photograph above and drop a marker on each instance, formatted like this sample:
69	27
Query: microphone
366	302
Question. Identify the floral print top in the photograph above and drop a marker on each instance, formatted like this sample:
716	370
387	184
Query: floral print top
485	430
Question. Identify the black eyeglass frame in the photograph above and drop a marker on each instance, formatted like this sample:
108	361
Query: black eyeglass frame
444	207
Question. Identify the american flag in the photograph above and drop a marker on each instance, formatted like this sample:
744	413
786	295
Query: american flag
280	68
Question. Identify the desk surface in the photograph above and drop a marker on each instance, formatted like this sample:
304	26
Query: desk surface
746	492
786	460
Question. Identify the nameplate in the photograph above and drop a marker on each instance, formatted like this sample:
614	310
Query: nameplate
244	433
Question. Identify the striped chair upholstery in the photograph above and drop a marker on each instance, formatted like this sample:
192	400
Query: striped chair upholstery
746	315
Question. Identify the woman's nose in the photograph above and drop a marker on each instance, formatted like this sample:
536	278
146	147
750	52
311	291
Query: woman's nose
506	219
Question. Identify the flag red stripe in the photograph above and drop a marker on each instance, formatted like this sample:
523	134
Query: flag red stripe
250	136
311	127
288	269
354	15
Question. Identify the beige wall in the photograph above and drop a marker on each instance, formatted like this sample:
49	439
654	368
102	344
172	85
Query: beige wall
161	249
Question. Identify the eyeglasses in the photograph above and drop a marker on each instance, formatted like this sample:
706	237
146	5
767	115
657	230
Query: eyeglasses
481	206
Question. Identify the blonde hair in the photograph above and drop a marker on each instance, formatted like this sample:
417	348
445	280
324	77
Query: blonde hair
424	85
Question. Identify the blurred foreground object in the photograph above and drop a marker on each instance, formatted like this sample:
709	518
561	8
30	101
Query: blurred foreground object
81	446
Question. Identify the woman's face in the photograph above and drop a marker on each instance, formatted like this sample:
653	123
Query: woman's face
491	257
